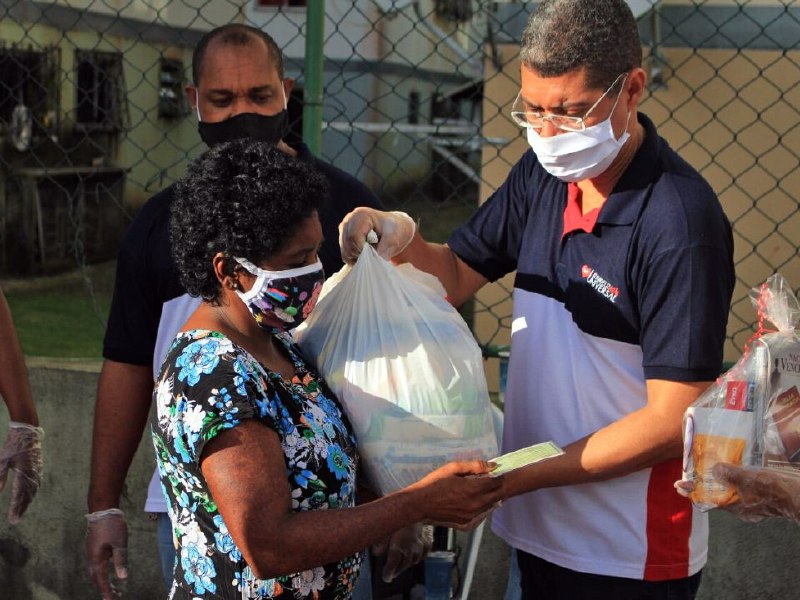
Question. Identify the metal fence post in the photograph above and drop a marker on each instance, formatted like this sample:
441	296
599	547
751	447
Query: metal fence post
312	77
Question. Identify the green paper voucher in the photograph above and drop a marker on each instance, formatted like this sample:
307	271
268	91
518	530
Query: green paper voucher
525	456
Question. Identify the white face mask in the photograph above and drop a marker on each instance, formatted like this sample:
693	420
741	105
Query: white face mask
577	155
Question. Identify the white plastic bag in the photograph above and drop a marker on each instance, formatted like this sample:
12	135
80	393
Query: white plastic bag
404	365
751	415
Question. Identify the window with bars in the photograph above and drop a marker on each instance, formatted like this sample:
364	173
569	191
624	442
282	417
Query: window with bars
100	103
21	81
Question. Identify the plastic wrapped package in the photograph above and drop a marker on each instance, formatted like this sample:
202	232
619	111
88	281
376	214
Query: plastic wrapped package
750	417
404	365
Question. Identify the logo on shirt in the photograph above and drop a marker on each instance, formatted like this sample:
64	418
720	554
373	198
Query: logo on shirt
600	285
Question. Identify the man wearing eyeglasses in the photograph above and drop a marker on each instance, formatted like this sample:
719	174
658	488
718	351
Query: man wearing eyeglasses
624	276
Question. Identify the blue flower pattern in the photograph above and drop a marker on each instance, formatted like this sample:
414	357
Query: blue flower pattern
198	570
199	358
208	385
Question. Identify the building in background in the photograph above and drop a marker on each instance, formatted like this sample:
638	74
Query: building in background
93	118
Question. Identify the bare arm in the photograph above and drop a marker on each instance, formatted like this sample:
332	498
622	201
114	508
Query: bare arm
14	385
246	474
639	440
124	394
21	453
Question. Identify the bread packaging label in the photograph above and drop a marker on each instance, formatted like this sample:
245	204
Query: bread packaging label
782	418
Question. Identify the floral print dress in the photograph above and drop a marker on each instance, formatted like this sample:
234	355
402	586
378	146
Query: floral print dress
209	384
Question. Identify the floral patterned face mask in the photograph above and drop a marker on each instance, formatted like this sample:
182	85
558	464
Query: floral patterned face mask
289	295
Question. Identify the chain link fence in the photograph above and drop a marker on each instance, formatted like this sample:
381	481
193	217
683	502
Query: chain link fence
93	118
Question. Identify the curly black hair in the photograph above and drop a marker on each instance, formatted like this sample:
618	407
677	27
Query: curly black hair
243	198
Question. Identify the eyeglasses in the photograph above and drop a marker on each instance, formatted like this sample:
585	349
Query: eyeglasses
535	119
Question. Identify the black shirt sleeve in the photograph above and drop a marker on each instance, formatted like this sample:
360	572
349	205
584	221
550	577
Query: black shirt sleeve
490	241
145	279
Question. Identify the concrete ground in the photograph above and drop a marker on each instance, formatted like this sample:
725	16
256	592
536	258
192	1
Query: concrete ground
491	570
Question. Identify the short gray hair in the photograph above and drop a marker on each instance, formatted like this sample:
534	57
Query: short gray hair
566	35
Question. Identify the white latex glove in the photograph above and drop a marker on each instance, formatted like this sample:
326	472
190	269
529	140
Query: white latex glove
762	492
22	453
107	539
405	548
395	230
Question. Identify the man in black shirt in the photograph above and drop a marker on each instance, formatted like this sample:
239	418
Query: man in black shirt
239	91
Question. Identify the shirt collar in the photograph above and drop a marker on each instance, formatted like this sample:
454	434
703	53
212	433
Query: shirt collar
574	219
625	202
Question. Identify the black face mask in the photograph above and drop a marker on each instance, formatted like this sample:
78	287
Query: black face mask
265	128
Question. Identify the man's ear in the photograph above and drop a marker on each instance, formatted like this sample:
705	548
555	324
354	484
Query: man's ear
636	86
288	86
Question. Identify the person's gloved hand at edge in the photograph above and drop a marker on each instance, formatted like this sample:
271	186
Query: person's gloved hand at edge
404	549
22	454
762	492
107	539
395	231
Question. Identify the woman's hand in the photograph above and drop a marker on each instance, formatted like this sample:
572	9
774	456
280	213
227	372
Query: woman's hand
459	494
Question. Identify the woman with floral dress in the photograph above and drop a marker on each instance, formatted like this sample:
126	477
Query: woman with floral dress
256	457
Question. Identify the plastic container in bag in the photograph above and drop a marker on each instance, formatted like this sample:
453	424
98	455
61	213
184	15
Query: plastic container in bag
751	415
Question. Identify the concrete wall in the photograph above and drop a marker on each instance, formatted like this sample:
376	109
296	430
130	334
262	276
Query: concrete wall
42	558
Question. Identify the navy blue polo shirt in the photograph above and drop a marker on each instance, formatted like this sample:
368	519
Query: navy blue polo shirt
656	270
643	295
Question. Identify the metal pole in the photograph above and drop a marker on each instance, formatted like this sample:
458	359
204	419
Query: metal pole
314	61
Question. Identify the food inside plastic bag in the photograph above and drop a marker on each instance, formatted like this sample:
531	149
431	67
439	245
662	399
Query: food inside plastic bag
404	365
709	449
751	415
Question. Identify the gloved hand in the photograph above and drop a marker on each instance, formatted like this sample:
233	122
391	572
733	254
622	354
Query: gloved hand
395	230
762	492
107	538
406	548
22	453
